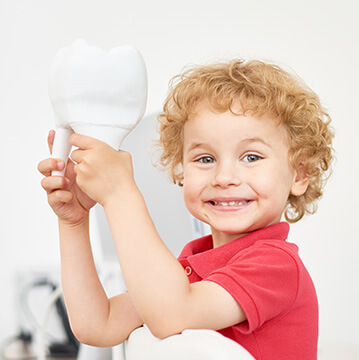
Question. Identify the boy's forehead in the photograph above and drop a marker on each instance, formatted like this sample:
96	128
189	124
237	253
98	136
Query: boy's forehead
247	127
204	108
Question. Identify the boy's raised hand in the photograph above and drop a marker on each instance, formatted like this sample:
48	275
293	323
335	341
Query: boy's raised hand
102	172
68	201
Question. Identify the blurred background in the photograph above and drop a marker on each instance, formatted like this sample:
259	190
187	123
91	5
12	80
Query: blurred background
314	38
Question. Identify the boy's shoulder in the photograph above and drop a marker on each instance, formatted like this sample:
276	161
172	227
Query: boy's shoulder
262	247
276	233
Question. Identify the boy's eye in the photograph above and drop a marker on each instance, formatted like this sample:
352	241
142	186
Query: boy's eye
206	160
251	158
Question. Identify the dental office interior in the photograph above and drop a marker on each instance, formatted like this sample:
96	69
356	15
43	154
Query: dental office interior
316	39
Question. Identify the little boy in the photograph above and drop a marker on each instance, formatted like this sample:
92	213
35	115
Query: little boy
248	142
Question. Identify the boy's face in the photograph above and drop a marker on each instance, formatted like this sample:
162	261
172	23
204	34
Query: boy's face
237	175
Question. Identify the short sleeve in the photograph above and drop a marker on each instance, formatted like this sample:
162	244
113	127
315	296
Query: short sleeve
263	280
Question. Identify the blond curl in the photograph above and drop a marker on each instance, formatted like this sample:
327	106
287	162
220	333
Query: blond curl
259	88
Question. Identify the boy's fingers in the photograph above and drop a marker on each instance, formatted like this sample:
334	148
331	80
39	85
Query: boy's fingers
50	140
77	155
83	142
46	166
59	196
53	183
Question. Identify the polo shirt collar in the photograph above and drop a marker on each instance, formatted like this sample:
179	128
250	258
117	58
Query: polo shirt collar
204	259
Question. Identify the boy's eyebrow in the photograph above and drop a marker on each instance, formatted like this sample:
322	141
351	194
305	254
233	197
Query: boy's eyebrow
199	144
256	139
196	145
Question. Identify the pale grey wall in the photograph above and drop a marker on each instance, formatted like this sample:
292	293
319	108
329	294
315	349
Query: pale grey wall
316	38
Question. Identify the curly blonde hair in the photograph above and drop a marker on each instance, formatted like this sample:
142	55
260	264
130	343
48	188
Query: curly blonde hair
259	88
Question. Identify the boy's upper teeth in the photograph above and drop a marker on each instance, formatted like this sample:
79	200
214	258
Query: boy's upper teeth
230	203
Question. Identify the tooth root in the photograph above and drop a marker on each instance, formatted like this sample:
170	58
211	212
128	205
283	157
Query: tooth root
62	147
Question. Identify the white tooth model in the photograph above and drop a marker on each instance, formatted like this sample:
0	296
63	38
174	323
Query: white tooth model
96	93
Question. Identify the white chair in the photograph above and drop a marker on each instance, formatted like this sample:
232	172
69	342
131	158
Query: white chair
189	345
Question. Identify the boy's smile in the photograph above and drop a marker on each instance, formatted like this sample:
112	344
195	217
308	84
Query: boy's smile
237	174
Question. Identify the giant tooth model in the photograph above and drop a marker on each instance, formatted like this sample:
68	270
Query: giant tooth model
96	93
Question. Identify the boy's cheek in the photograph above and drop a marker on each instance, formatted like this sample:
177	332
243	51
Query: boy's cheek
189	192
192	182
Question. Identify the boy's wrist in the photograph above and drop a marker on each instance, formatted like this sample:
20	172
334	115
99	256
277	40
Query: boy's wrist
79	225
122	196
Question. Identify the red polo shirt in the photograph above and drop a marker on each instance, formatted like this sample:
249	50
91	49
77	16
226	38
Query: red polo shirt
266	276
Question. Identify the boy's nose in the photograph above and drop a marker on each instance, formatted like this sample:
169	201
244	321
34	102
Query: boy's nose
226	175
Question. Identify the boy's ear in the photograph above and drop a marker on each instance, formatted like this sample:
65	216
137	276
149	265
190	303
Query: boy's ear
300	183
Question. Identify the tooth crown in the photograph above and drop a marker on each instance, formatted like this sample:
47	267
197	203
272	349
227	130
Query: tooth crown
90	86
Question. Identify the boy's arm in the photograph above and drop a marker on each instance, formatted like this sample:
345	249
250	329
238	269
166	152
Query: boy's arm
158	285
95	319
87	304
